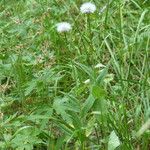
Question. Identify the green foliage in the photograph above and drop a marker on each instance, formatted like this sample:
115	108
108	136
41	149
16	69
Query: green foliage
113	141
26	138
87	89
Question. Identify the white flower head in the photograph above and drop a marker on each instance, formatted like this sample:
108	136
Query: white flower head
63	27
88	8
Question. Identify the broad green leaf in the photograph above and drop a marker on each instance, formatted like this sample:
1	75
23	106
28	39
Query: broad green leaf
90	126
87	70
72	103
60	107
101	110
64	128
144	128
102	75
59	142
113	142
31	86
26	138
98	92
75	120
87	105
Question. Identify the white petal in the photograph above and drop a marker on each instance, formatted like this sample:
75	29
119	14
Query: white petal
63	27
99	66
87	81
88	7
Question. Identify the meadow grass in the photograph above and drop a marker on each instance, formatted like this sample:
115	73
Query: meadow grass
84	89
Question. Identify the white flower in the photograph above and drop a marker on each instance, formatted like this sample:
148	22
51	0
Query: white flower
63	27
99	66
88	8
87	81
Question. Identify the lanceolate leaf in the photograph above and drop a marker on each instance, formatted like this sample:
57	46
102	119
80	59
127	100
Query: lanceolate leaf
87	105
113	142
102	75
87	70
98	92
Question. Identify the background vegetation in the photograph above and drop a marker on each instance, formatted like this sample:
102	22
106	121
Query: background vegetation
45	102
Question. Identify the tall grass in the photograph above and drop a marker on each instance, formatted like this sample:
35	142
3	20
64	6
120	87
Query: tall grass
88	88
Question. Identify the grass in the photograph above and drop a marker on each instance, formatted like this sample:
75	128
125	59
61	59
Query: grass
45	102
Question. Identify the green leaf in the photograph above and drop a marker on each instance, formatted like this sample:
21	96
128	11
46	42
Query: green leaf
75	120
26	138
90	126
87	105
72	103
87	70
65	128
60	142
102	75
114	141
60	108
98	92
31	86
